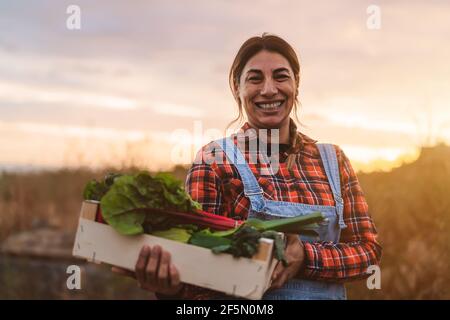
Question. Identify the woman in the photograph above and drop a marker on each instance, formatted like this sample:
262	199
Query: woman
264	80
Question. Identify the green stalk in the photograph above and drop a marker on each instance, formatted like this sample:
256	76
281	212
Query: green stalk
288	225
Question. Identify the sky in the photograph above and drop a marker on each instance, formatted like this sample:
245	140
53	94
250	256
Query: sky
146	82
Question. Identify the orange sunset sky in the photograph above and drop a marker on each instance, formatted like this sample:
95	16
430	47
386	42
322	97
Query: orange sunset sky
146	82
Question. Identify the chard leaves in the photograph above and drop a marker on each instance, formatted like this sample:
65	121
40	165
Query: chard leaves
95	190
124	198
179	234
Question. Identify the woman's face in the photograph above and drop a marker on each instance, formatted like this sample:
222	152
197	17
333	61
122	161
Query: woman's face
267	90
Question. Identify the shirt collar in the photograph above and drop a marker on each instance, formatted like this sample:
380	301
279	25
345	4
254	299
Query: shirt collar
297	140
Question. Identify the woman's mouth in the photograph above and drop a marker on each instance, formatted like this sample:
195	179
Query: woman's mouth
270	105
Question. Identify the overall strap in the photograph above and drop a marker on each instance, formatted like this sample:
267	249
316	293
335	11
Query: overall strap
251	186
331	165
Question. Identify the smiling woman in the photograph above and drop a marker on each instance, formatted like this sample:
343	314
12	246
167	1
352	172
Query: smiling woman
267	90
311	177
265	82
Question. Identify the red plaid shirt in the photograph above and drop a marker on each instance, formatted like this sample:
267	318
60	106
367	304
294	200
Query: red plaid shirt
219	189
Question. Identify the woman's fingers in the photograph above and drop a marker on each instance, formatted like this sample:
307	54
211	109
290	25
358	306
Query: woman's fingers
163	271
279	276
174	276
154	271
279	282
141	264
151	270
278	270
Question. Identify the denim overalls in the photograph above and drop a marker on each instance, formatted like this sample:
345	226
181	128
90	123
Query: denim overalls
296	289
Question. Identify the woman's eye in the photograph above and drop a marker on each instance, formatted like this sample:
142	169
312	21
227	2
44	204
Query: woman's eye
283	77
254	79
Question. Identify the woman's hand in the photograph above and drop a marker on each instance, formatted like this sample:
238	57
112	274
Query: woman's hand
295	256
154	271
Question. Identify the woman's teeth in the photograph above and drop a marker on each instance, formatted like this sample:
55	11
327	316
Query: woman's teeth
269	105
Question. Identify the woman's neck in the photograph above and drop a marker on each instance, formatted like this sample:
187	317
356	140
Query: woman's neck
284	132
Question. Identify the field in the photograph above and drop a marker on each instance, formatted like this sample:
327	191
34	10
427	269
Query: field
410	206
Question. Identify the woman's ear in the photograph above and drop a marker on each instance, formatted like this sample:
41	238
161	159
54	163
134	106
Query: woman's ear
236	88
237	93
238	100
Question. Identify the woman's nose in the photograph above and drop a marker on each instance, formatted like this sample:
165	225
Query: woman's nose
269	88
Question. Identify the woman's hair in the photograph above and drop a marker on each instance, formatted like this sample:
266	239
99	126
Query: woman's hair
251	47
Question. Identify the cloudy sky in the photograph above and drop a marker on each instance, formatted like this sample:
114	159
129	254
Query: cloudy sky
145	82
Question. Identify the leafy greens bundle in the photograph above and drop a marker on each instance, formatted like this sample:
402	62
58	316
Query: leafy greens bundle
140	203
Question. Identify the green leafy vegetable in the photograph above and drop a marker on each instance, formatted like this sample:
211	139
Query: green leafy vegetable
134	204
180	234
288	225
240	242
95	190
208	239
243	241
124	205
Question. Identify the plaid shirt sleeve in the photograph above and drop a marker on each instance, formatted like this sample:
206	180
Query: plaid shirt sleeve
204	186
358	247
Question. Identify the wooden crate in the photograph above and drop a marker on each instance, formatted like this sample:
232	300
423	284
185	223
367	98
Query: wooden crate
242	277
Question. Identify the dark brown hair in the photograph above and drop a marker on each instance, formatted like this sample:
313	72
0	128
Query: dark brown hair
251	47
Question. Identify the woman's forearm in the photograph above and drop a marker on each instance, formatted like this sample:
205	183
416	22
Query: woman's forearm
339	262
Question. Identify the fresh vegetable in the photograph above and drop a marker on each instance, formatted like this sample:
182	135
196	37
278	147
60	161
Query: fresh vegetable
210	240
134	204
198	217
95	190
240	242
180	233
288	225
243	241
125	205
